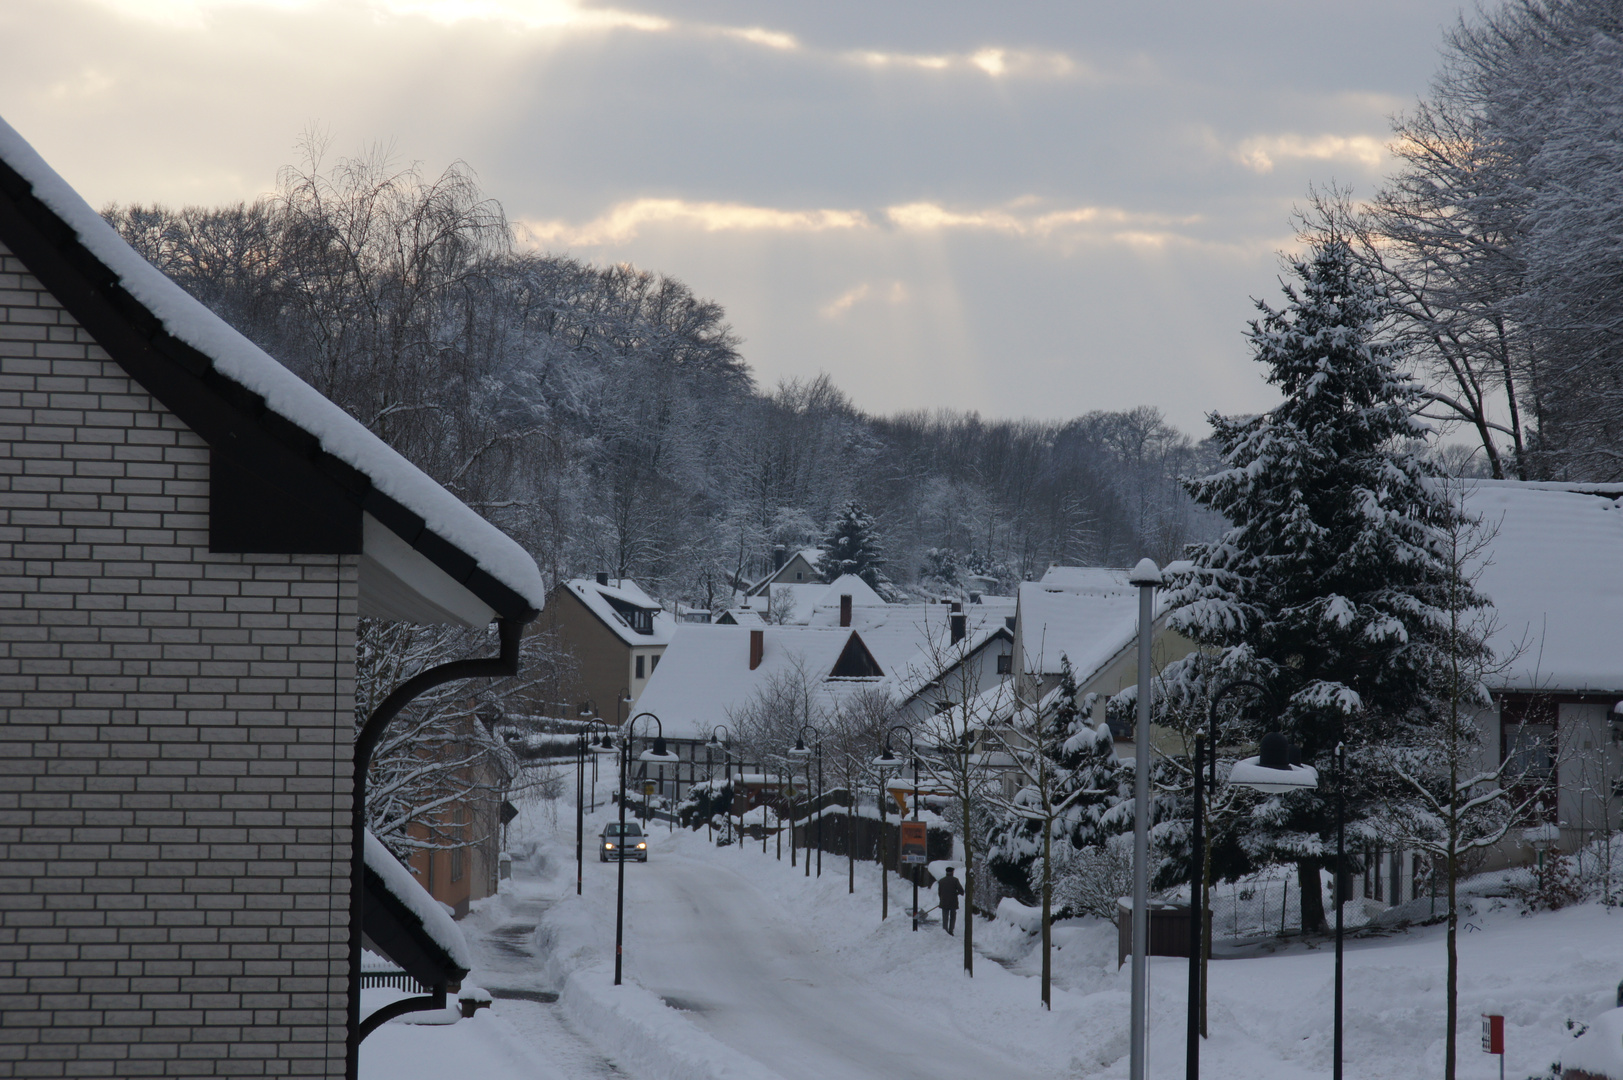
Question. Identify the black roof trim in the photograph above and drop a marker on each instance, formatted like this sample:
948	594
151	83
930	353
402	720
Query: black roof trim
225	414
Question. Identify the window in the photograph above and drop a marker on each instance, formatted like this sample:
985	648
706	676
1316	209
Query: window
799	576
458	854
1005	664
1530	749
640	662
653	664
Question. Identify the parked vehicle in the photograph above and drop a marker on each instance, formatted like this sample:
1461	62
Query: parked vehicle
632	845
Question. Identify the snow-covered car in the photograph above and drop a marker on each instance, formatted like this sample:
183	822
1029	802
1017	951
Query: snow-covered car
631	845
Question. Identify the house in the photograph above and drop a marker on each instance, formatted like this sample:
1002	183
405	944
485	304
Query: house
188	533
1553	568
616	634
797	569
1089	615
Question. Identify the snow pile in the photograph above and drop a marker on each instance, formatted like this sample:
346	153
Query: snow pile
436	920
285	394
1598	1051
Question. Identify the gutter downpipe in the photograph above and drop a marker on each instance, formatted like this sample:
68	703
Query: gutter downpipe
510	632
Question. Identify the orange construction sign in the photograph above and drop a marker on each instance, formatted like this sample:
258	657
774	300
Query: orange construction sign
915	843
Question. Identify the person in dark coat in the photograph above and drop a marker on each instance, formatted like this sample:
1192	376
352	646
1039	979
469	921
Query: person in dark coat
949	888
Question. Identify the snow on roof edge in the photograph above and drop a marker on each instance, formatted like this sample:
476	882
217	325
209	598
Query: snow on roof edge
403	887
284	393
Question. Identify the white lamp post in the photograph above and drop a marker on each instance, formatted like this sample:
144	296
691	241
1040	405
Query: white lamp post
1146	575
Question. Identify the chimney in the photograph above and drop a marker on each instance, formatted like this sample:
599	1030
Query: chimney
602	577
757	647
957	606
958	625
779	557
845	609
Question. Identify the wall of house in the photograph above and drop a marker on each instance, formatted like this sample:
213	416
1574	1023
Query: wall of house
175	744
602	660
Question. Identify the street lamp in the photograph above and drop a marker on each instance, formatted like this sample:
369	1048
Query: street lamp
885	760
912	753
598	747
725	746
620	889
1146	575
1272	770
800	751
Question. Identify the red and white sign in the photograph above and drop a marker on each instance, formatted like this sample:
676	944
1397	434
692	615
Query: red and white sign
1493	1034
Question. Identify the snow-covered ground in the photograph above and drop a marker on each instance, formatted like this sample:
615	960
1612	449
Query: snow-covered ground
737	966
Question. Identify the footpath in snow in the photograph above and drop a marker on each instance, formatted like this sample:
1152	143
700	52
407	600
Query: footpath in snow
737	966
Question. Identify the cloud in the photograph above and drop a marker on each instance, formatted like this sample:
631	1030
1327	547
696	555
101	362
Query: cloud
527	14
1021	217
1260	153
1097	223
624	221
896	293
994	62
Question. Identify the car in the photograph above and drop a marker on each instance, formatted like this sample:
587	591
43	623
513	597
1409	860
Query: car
635	845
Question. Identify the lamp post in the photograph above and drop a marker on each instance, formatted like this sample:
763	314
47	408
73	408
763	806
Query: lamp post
912	753
851	825
1335	893
1272	770
620	889
1146	575
1197	873
802	751
885	760
580	810
725	746
602	746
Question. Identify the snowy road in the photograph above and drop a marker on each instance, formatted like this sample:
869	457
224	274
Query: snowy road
710	943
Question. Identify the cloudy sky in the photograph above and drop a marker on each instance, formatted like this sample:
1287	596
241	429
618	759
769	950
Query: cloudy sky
1026	209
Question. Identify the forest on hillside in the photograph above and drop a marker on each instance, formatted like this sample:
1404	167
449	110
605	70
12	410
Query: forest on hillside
606	417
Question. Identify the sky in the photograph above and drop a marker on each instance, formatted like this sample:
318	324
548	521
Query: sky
1021	209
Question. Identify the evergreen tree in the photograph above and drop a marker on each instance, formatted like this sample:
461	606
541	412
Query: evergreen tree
1333	585
853	546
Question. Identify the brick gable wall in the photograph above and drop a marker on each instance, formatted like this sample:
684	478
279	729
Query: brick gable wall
175	747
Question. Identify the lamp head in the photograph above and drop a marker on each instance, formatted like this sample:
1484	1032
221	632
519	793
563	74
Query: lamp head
659	746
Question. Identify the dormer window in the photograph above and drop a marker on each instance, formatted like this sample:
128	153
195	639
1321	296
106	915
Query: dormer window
640	619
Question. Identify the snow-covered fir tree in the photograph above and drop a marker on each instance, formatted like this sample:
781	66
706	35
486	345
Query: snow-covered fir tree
854	546
1332	587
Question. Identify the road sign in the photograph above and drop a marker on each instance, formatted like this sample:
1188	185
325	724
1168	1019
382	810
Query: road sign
915	839
509	811
648	787
1493	1034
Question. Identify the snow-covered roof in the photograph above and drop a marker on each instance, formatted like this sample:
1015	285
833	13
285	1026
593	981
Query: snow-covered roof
236	359
1554	572
705	673
1087	613
433	921
600	600
743	616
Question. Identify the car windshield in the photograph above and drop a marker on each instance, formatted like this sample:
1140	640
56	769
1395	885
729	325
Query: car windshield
630	829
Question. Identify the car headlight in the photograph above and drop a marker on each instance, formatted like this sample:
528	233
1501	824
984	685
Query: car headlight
608	847
641	846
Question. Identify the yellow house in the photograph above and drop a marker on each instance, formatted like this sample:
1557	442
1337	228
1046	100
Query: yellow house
615	633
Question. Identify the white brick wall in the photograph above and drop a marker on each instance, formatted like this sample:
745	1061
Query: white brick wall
175	753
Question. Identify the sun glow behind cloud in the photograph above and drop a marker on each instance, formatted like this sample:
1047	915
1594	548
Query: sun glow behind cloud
1022	218
1261	153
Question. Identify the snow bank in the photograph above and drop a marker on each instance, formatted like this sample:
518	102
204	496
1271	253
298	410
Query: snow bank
629	1024
655	1040
1598	1051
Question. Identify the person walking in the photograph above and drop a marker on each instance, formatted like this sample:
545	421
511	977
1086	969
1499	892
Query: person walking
949	889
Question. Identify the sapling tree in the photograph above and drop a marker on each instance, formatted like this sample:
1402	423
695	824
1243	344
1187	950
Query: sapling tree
1069	778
